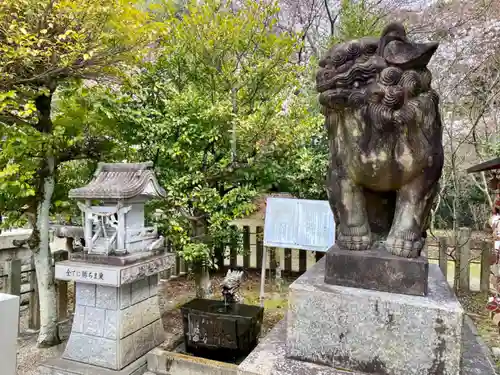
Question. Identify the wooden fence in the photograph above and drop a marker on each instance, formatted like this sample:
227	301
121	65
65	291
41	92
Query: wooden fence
12	280
465	262
463	257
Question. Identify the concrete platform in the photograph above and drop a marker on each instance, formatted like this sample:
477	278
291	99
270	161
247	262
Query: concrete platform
269	358
162	362
61	366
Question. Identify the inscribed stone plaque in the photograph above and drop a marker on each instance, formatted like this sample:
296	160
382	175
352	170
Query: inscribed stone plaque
299	224
87	274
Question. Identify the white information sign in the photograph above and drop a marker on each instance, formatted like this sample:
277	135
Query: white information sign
299	224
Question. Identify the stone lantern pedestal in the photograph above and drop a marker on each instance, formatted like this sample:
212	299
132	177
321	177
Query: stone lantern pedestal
117	317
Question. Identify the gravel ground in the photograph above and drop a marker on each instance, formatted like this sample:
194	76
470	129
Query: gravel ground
28	355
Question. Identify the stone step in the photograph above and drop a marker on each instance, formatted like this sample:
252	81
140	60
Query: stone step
269	357
162	362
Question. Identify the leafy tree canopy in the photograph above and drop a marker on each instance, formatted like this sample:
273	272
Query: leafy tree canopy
217	113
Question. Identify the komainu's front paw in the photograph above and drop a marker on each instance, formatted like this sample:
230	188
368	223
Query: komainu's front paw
355	238
407	245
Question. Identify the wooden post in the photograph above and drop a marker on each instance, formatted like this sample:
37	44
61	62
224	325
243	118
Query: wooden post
263	276
177	265
302	261
280	261
288	260
61	289
233	251
182	267
463	246
12	269
485	266
34	303
259	245
272	264
443	256
246	247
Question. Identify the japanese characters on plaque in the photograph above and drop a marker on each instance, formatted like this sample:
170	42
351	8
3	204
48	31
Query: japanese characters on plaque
299	224
86	273
90	275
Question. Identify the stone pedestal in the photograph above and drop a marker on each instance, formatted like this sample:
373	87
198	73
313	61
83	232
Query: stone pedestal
117	318
333	330
375	332
9	326
377	269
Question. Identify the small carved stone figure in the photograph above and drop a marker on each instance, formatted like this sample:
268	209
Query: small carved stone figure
385	139
230	286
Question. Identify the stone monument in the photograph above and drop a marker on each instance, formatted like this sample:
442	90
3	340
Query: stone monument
117	318
374	305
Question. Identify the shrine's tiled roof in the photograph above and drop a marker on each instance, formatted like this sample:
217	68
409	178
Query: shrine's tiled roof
120	181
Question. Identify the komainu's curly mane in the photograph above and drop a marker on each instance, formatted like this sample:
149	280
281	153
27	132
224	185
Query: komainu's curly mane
370	75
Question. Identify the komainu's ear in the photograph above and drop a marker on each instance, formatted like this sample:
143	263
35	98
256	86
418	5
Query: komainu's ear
407	55
398	50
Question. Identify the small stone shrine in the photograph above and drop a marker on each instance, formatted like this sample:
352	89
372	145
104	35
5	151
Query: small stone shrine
117	318
373	304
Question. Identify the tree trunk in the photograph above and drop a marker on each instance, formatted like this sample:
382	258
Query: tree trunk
201	271
49	333
202	282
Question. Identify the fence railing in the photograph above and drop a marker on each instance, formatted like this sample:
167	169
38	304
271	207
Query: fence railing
464	261
12	279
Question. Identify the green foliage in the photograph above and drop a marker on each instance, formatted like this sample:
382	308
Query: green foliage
357	19
198	254
46	47
217	114
44	42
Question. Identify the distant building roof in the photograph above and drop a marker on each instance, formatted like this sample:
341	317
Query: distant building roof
120	181
260	206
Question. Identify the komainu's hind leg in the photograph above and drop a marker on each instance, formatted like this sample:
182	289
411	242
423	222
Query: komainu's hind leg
413	205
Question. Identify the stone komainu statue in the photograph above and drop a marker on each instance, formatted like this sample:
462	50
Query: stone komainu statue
385	139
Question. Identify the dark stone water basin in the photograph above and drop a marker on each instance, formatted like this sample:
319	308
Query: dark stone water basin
218	331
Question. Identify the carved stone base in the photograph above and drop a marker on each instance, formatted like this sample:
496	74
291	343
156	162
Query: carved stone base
376	270
117	315
269	358
113	326
335	330
60	366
